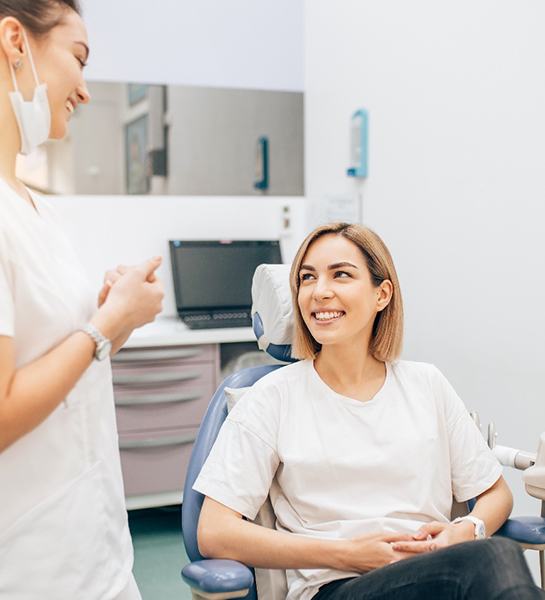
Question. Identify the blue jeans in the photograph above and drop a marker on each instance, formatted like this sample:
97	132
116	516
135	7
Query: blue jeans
492	569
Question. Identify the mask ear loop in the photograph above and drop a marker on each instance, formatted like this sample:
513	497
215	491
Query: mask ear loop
36	80
13	78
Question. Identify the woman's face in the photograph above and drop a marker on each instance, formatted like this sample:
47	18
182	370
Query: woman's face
337	298
60	57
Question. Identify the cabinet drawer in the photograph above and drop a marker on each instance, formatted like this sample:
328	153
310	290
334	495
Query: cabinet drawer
187	354
147	375
164	406
155	463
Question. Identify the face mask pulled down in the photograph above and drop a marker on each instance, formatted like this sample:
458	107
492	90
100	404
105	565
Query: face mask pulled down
34	116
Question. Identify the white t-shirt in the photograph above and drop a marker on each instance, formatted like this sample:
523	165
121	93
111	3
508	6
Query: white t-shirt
63	523
338	467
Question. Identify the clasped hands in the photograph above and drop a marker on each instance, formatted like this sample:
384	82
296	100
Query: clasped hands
372	551
435	535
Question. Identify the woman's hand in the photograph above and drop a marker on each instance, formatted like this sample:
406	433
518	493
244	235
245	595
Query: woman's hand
435	535
130	297
372	551
112	276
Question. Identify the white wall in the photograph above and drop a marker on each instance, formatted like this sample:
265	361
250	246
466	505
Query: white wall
111	230
456	96
240	43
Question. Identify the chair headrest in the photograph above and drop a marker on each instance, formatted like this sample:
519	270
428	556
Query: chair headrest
272	312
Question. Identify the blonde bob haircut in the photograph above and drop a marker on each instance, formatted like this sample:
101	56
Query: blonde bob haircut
387	334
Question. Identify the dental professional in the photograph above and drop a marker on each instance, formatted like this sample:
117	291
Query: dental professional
63	524
360	452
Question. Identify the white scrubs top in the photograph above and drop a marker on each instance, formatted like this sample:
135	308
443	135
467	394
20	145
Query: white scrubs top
63	524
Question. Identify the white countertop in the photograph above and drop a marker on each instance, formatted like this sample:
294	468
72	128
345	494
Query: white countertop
171	331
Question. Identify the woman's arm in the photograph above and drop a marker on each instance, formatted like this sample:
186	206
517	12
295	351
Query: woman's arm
29	394
494	506
223	533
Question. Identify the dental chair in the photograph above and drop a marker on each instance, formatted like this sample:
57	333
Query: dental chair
216	579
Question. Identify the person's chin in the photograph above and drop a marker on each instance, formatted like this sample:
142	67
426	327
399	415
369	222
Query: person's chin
326	338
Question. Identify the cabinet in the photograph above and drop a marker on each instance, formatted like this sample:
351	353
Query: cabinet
163	380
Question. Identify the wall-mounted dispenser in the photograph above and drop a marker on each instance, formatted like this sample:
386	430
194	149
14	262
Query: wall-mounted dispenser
262	164
359	126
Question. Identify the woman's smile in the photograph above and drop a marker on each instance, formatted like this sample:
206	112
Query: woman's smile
324	317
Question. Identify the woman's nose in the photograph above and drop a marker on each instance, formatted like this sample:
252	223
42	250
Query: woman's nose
322	290
84	97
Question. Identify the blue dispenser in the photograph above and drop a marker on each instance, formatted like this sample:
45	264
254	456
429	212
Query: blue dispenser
359	126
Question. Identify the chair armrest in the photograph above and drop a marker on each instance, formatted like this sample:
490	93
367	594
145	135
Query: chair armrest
525	530
218	578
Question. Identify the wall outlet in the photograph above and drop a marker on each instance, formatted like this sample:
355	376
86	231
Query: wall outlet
285	220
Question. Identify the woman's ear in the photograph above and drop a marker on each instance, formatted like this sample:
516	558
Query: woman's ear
384	294
12	39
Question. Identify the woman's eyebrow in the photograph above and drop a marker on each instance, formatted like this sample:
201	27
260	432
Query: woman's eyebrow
86	48
306	268
342	264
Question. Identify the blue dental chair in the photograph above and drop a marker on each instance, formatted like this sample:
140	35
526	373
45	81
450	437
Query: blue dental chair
221	579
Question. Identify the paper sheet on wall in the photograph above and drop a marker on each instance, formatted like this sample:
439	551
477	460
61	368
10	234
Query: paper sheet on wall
335	207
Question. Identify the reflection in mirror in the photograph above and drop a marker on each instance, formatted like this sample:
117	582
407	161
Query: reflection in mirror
153	139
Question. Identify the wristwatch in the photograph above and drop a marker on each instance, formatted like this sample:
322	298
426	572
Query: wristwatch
480	529
103	345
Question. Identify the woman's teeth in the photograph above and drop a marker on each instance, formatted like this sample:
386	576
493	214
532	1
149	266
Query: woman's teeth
327	316
69	106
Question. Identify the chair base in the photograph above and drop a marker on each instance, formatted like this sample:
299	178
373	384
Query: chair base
219	596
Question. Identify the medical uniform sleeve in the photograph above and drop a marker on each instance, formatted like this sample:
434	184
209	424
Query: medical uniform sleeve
243	461
6	291
474	468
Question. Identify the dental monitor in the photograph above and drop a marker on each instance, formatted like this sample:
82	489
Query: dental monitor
213	279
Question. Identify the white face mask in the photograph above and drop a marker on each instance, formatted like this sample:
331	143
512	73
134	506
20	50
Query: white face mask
34	116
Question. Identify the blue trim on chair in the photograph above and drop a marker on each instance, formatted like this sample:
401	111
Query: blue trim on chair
525	530
216	576
278	351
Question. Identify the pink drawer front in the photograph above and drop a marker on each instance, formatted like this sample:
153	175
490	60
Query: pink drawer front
186	354
149	376
155	463
163	406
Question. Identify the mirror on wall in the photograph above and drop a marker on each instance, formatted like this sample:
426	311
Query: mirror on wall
183	140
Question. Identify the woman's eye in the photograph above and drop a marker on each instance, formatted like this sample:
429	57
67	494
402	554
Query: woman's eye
306	276
342	274
82	63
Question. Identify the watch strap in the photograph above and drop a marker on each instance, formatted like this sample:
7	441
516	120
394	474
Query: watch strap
99	339
480	530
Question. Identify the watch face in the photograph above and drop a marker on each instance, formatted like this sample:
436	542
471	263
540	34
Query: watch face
479	531
103	350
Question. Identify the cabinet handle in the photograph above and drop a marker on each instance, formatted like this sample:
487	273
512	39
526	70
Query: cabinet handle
143	355
158	442
156	399
163	377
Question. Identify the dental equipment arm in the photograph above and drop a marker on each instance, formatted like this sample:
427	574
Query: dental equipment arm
533	466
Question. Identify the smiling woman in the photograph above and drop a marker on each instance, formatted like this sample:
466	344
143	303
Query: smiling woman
360	453
63	507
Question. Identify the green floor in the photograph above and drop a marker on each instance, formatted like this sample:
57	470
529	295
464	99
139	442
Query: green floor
159	554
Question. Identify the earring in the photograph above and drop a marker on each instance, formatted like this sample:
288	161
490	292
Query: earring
17	64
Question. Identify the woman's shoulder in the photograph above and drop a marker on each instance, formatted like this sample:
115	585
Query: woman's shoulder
416	372
271	388
283	376
413	366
